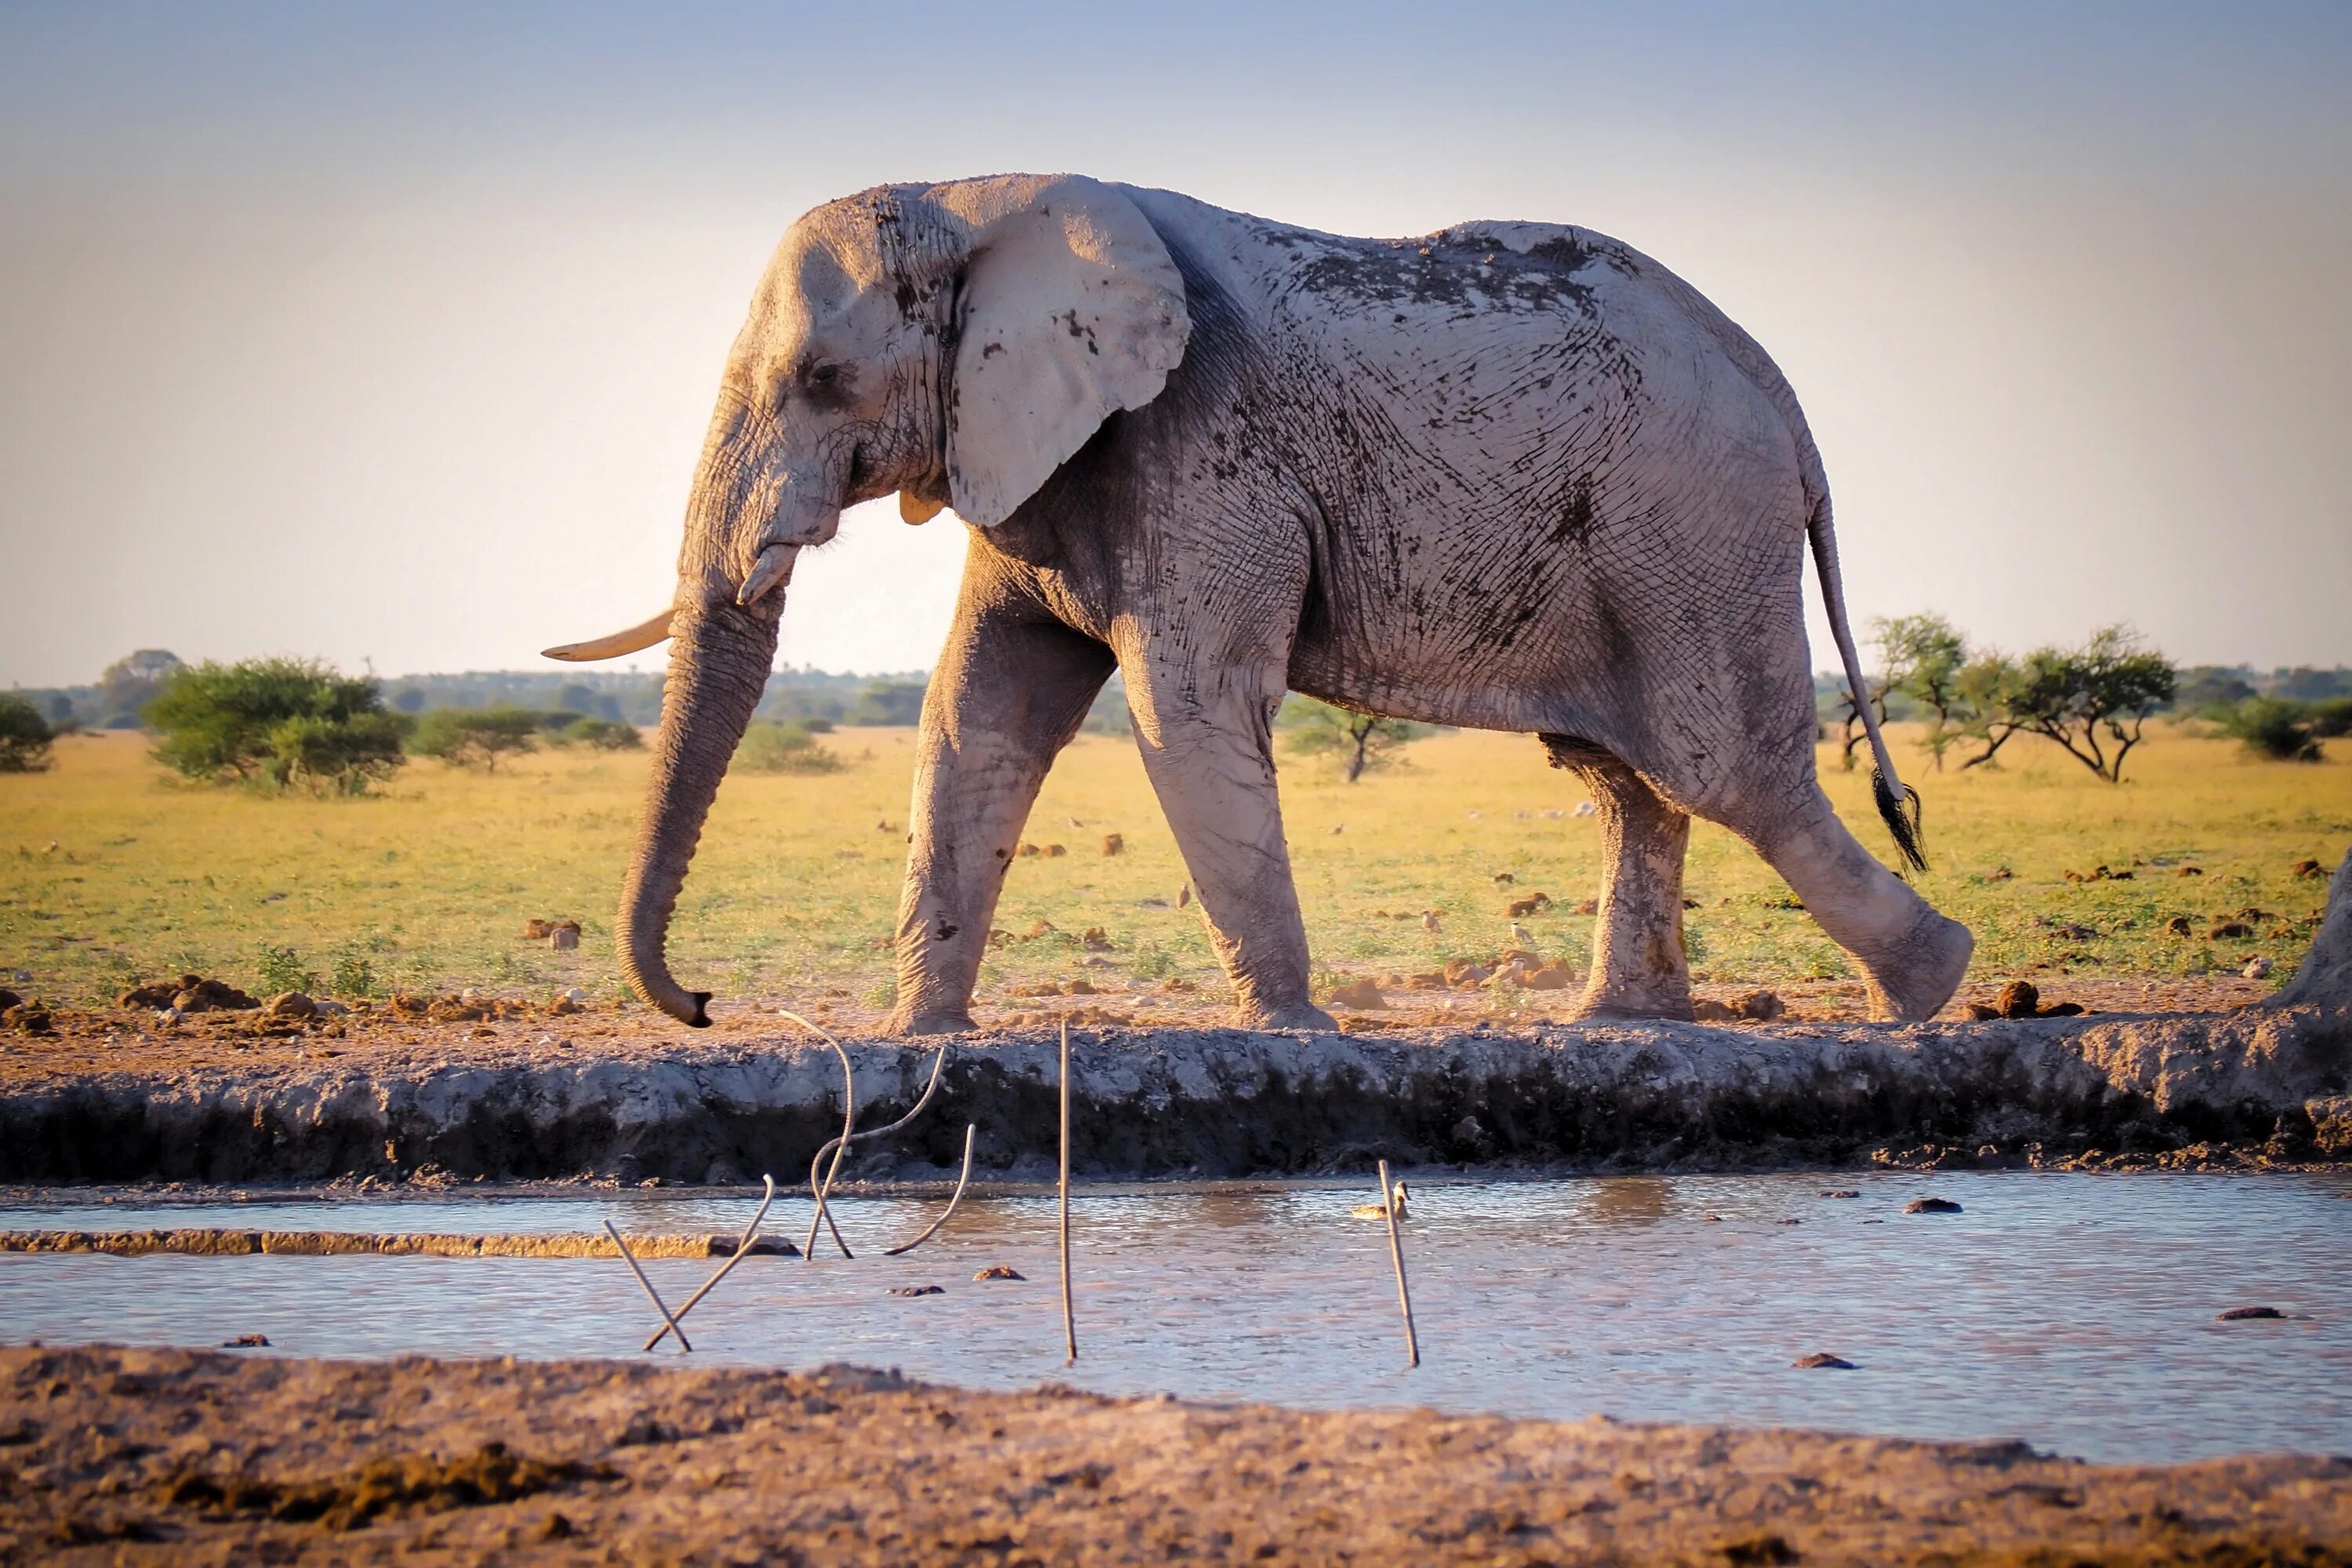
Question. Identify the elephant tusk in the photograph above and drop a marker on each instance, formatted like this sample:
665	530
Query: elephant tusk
918	510
774	569
635	639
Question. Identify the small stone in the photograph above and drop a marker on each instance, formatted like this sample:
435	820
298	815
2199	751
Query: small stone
1824	1361
563	935
1931	1205
2247	1314
917	1290
2257	968
1000	1272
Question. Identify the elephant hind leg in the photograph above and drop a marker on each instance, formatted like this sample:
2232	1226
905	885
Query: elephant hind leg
1639	967
1912	958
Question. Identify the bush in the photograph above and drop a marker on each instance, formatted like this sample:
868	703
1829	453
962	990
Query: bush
280	968
2276	728
282	722
25	736
475	737
600	734
783	748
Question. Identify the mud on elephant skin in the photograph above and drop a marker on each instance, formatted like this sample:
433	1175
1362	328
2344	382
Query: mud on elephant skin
1512	476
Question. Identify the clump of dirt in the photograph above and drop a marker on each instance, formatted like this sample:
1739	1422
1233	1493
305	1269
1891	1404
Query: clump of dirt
2022	999
18	1016
1747	1007
188	994
356	1498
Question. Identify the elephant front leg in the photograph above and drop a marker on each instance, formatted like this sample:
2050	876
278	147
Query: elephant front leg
1007	696
1639	967
1207	743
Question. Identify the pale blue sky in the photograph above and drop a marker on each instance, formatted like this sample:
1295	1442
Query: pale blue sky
391	332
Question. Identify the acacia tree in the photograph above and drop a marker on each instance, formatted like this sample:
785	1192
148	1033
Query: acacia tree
283	722
1924	656
1363	742
475	737
1981	688
2094	698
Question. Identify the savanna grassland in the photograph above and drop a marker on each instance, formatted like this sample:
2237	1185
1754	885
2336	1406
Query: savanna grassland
111	870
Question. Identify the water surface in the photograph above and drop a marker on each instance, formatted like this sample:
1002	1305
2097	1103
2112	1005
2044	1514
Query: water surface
2074	1310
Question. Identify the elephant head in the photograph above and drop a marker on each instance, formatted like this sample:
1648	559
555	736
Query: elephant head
954	344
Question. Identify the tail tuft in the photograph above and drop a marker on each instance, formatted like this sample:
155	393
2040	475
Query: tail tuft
1901	813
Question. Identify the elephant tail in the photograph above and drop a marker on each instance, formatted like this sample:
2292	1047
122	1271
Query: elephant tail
1898	803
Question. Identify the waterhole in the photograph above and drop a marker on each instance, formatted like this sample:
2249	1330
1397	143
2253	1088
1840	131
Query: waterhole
2079	1312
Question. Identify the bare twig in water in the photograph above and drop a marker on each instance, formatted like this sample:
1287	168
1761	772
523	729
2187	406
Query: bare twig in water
1396	1256
954	1198
630	1259
849	1120
1069	1318
843	1143
742	1250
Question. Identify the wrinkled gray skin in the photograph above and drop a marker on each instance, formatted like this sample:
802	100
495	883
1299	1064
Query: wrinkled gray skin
1511	475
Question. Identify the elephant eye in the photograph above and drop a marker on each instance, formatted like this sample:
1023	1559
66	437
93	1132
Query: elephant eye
824	375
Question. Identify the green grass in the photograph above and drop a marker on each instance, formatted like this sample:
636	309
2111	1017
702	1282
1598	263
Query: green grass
428	885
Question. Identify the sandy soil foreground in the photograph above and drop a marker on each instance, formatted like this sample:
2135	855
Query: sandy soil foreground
116	1456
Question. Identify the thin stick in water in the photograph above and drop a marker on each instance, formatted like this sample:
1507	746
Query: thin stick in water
839	1146
1396	1256
630	1259
1069	1318
742	1250
953	1198
849	1120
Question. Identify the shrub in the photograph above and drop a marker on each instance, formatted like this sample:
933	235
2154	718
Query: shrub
278	721
354	975
475	737
2274	727
25	736
783	748
600	734
280	968
1360	742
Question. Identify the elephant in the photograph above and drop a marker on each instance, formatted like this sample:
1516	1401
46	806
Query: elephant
1513	475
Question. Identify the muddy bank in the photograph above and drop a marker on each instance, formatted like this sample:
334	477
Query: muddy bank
112	1455
2268	1082
1229	1102
214	1243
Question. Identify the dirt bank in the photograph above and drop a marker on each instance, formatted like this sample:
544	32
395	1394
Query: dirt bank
212	1243
110	1455
2272	1082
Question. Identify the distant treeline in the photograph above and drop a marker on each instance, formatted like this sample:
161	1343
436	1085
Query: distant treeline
2204	689
793	695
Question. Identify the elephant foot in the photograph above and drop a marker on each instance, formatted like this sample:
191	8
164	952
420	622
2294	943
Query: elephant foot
1915	975
1296	1016
1626	1006
928	1021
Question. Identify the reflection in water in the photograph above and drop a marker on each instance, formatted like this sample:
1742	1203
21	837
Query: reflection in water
2062	1308
1633	1200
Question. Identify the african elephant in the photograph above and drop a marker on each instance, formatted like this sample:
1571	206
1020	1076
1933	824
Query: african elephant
1513	475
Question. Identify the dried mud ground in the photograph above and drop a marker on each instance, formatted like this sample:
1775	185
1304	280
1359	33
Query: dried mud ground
177	1457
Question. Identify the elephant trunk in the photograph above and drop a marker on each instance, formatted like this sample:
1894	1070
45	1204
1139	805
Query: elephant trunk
719	665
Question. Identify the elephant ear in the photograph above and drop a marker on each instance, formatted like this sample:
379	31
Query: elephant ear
1071	309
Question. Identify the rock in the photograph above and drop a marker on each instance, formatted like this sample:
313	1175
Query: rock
2309	868
2257	968
1361	992
247	1342
289	1006
2247	1314
563	935
2019	999
1000	1272
1520	908
1822	1360
917	1290
1112	844
1931	1205
762	1246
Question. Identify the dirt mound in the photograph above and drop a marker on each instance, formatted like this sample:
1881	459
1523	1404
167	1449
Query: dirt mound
406	1483
188	994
